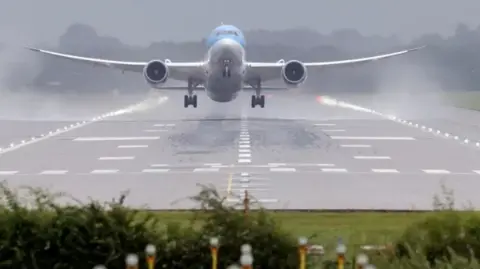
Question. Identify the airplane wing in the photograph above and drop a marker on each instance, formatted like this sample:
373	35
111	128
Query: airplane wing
201	88
178	70
271	70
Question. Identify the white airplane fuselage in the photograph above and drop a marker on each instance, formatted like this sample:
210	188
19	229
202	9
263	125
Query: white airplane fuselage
226	69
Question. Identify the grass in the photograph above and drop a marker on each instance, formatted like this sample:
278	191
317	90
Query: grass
355	228
465	99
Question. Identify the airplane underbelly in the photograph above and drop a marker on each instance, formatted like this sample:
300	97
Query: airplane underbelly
224	89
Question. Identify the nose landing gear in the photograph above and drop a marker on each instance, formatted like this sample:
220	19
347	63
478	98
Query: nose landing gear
226	68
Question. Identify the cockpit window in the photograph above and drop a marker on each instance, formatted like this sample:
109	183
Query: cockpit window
229	32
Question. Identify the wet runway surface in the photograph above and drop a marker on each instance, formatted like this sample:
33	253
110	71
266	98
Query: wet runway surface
295	153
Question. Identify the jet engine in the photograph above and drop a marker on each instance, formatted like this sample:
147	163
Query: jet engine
155	72
294	72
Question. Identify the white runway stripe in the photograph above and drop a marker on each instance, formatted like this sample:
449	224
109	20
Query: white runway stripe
385	170
324	124
434	171
244	155
244	146
164	125
7	173
210	169
372	157
244	150
155	131
54	172
155	170
105	171
132	146
244	161
88	139
334	170
355	146
333	130
120	158
282	169
372	138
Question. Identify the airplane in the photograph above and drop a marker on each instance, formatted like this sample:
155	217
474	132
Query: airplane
224	71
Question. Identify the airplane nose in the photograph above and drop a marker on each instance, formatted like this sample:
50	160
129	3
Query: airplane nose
228	42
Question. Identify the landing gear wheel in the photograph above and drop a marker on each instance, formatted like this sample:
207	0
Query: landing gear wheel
190	100
194	101
258	100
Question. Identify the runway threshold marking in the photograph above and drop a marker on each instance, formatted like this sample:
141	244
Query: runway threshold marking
118	138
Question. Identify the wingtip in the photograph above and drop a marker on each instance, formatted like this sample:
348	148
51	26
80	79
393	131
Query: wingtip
418	48
30	48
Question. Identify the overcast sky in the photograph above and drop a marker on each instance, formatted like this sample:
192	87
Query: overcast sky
139	22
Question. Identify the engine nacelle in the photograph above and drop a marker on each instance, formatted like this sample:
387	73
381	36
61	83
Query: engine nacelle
294	72
155	72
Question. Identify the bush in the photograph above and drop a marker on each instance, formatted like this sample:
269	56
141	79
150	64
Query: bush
84	235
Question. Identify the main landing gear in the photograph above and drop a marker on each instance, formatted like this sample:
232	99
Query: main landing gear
258	99
190	99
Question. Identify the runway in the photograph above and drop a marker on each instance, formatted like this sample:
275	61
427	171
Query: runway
296	153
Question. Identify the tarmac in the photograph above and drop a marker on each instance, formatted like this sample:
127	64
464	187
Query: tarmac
299	152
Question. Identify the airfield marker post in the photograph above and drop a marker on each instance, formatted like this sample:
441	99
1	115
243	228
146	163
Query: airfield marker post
302	252
214	251
150	252
341	250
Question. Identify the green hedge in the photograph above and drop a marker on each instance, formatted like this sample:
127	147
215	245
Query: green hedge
84	235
